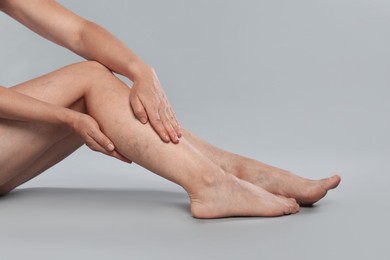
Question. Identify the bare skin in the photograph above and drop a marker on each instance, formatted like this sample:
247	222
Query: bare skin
212	191
270	178
89	40
44	120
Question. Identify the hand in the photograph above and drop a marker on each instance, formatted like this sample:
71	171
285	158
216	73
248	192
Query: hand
89	130
149	103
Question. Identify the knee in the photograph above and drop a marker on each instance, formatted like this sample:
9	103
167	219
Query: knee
95	75
92	68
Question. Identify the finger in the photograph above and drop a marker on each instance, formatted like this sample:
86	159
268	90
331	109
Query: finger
138	109
175	123
103	141
118	156
168	126
155	121
96	147
93	145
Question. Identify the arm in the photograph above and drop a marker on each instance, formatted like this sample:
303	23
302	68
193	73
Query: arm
19	107
54	22
16	106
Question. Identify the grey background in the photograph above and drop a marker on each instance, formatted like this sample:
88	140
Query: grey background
303	85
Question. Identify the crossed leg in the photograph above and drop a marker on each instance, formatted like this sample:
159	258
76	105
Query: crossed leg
213	191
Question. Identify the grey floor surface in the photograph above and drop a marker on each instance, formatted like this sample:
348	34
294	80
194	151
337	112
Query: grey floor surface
128	213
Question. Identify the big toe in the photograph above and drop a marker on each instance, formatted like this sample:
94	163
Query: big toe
331	182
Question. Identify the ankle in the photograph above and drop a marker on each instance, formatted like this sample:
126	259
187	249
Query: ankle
240	168
204	181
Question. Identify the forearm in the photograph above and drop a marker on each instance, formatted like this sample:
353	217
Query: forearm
108	50
85	38
89	40
16	106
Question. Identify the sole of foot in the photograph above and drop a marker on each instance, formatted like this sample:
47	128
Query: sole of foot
233	197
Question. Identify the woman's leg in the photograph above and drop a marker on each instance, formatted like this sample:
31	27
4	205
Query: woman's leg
213	193
26	147
273	179
49	158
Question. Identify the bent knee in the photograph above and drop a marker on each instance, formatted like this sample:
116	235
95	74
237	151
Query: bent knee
92	68
95	75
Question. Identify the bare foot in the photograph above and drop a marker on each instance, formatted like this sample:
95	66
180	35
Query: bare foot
229	196
281	182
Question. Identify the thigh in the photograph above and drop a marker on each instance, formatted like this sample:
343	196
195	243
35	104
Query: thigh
23	143
50	157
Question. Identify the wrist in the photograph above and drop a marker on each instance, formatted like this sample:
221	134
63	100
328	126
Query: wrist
67	117
139	71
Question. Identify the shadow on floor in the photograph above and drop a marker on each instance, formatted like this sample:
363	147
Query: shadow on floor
110	198
94	201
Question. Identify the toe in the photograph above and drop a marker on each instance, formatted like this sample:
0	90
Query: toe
295	207
332	182
292	205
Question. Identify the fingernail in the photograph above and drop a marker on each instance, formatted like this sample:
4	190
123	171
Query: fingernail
143	120
110	147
